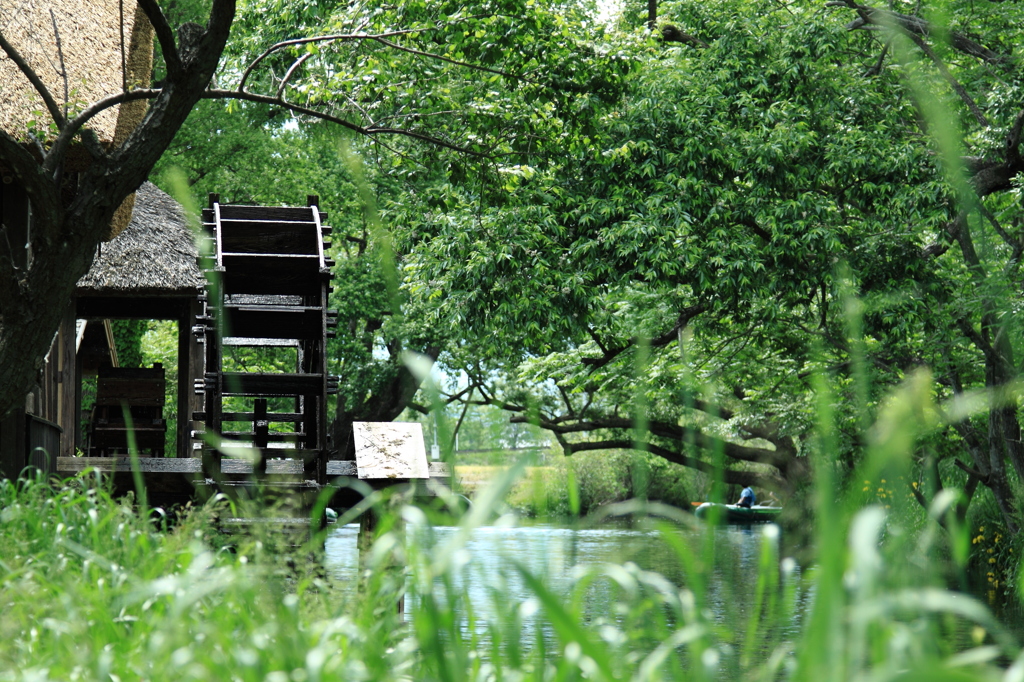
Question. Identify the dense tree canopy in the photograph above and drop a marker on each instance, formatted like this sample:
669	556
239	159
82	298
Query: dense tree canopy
434	77
636	239
801	189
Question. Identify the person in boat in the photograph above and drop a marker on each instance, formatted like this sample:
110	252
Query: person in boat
747	498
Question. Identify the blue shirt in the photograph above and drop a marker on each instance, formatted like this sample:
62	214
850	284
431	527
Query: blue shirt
747	497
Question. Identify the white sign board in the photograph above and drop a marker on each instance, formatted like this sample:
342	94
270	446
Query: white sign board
390	450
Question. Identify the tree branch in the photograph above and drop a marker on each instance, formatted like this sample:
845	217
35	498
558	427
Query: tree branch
33	78
729	476
1003	234
67	135
315	39
164	34
458	424
456	62
38	184
777	458
1013	141
979	116
977	338
917	26
60	57
668	337
971	471
367	131
290	72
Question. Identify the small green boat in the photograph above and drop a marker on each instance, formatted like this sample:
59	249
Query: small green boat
734	514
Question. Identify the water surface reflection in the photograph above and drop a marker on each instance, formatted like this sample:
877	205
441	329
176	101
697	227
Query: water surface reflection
492	585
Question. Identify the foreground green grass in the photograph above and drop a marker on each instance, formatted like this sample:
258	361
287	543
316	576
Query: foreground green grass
92	590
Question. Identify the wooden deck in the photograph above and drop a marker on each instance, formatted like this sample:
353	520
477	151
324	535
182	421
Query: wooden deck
178	480
194	465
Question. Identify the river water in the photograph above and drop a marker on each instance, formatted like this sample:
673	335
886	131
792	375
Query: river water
554	552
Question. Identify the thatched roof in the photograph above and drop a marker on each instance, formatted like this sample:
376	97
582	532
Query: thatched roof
90	33
154	256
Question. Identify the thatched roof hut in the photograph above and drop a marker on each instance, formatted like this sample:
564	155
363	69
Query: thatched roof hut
103	46
82	51
149	271
154	256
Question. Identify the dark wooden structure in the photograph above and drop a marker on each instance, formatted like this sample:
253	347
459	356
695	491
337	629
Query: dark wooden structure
268	289
265	290
129	402
148	271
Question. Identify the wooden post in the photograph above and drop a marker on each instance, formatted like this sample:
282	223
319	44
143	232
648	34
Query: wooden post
261	432
70	378
184	407
195	365
12	454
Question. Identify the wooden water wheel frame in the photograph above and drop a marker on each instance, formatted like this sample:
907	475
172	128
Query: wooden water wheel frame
268	281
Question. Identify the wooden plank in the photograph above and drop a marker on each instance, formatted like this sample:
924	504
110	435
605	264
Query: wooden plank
272	417
246	341
337	467
176	465
293	467
133	307
260	384
248	236
261	427
192	465
12	450
271	436
234	212
273	322
137	391
270	274
191	351
68	412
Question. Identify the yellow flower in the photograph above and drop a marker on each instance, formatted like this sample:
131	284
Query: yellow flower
883	480
992	560
914	484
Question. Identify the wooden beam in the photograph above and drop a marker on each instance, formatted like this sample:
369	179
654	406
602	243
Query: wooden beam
67	413
191	366
134	307
193	465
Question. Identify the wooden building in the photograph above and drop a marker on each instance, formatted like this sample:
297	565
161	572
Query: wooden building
100	45
149	271
275	290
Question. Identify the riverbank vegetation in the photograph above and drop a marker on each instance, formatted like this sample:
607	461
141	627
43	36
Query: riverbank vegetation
99	588
656	244
775	243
